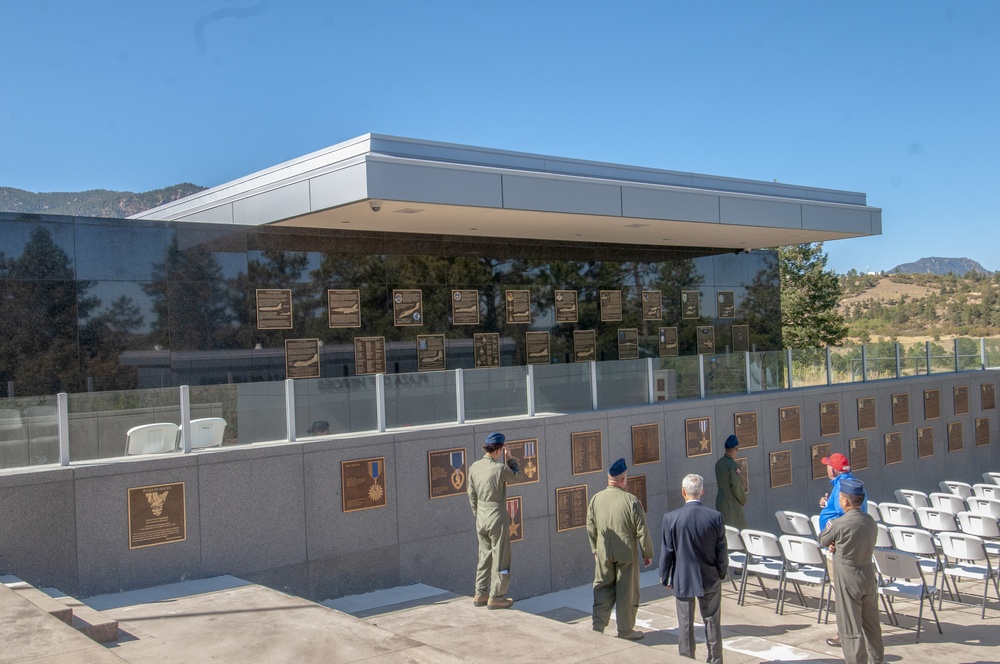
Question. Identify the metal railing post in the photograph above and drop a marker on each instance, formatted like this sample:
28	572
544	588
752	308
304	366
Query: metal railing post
185	419
290	409
746	369
897	360
593	385
829	366
650	381
701	374
460	396
62	408
530	382
788	362
982	352
927	353
864	363
958	362
380	401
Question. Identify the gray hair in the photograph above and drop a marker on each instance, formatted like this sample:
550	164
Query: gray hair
694	485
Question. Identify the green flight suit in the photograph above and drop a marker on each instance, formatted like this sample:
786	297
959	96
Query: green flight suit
731	497
615	522
487	489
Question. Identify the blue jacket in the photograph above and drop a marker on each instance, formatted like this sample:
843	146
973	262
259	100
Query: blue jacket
693	555
832	509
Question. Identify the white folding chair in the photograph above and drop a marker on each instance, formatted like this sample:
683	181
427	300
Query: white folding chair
991	477
871	508
883	540
937	521
897	514
967	551
206	432
948	502
814	522
737	554
960	489
921	544
804	563
763	559
985	491
902	576
984	527
913	498
987	506
152	438
793	523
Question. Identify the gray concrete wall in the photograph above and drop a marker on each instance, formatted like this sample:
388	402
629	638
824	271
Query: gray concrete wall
272	513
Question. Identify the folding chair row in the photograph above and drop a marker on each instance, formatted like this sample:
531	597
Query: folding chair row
789	558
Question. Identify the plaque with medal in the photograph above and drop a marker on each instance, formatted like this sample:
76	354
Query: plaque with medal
526	453
446	472
698	436
362	484
516	519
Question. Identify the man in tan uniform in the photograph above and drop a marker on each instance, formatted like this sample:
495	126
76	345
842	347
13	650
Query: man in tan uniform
487	489
615	523
731	498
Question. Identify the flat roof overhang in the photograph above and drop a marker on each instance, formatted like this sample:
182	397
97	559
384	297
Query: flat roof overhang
445	189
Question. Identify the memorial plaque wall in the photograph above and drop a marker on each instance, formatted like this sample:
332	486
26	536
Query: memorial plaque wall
893	448
516	519
781	468
526	453
586	451
819	452
486	346
698	436
982	431
954	436
156	515
645	443
584	345
274	309
465	307
567	306
407	307
571	507
362	484
628	344
343	308
789	424
652	305
668	342
829	418
636	485
537	347
746	429
301	358
932	404
369	355
925	442
611	306
986	396
430	352
961	399
866	413
446	472
859	454
518	308
900	409
690	304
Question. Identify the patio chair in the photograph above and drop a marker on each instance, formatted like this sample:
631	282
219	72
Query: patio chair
871	507
793	523
921	544
937	521
763	559
991	478
814	522
985	491
206	432
902	576
960	489
897	514
804	563
737	554
984	527
158	438
967	551
914	498
948	502
883	540
987	506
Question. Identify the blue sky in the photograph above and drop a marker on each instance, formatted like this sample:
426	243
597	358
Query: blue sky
900	100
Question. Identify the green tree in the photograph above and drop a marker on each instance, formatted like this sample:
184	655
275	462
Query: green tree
809	297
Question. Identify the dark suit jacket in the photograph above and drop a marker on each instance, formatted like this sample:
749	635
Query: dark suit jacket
693	556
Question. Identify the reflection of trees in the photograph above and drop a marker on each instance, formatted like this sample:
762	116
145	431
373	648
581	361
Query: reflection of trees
674	277
102	341
761	309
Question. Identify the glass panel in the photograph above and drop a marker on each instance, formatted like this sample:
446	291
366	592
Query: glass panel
809	367
217	401
725	374
29	432
622	383
993	353
99	422
969	357
913	359
501	392
335	405
942	357
562	388
881	359
767	371
846	365
412	399
260	409
677	378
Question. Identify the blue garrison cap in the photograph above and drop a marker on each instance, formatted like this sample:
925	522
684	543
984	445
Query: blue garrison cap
495	438
617	468
732	442
852	487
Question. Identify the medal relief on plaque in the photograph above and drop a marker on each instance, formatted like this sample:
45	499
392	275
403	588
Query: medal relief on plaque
727	304
301	358
430	352
866	413
486	347
925	442
690	304
893	448
586	450
932	404
465	307
567	306
818	453
362	484
987	400
274	309
982	431
584	345
611	306
954	436
652	305
698	436
668	342
407	308
789	424
446	472
961	399
636	485
741	338
645	443
518	306
369	355
829	418
571	507
900	409
156	515
781	468
526	453
743	469
706	340
516	519
537	347
859	454
343	308
746	429
628	344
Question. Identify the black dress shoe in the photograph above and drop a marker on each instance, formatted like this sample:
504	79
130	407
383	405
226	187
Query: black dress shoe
834	642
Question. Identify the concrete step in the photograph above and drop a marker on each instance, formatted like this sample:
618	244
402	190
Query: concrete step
91	622
46	603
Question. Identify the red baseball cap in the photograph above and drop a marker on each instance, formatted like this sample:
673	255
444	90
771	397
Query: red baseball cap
838	462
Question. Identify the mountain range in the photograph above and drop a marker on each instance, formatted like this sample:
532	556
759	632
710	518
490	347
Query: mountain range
93	203
936	265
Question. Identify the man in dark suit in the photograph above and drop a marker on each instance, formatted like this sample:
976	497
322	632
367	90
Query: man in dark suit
693	561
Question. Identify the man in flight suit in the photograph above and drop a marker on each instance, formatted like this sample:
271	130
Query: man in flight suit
731	497
615	523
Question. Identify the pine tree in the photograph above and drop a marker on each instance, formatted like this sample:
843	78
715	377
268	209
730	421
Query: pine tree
809	297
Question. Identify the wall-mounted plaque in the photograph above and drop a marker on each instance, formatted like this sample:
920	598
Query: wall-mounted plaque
893	448
932	404
690	304
789	424
516	519
829	418
446	472
537	347
465	307
611	306
900	409
584	345
407	307
571	507
156	515
652	305
526	453
858	454
961	399
982	431
645	443
743	470
343	308
746	429
586	450
706	340
369	355
925	442
518	307
698	436
781	468
727	304
954	436
486	346
274	309
430	352
741	338
986	396
567	306
636	485
301	358
668	342
866	413
628	344
816	459
362	484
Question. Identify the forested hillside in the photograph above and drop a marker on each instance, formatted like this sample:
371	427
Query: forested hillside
93	203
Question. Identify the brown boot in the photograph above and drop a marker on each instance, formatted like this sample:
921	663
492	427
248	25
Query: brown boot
632	635
500	603
480	600
834	642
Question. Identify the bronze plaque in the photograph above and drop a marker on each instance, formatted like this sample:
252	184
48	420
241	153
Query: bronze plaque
925	442
818	467
516	519
636	485
743	470
987	398
446	472
668	342
567	306
781	468
900	409
645	443
611	306
586	450
274	309
866	413
628	344
584	345
690	304
571	507
706	340
954	436
362	484
301	358
343	308
652	305
727	304
961	399
741	338
526	453
518	306
465	307
829	418
537	347
932	404
698	436
407	307
893	448
746	429
789	424
156	515
487	349
369	355
859	454
430	352
982	431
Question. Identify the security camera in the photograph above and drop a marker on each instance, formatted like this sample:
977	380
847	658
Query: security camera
376	205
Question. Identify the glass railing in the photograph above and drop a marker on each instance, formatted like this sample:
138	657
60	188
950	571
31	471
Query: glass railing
677	378
809	367
325	406
768	371
29	432
413	399
100	422
622	383
499	392
725	374
563	388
